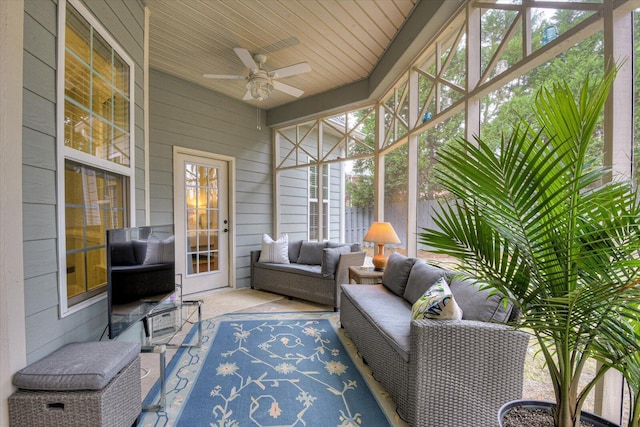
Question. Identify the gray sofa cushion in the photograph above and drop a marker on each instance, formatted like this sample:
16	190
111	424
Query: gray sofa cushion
294	250
390	315
300	269
78	366
330	259
311	253
355	247
396	273
477	304
421	278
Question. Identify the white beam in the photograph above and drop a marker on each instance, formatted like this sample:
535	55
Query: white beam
472	116
13	347
618	155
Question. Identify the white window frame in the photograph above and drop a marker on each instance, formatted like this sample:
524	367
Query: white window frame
67	153
324	210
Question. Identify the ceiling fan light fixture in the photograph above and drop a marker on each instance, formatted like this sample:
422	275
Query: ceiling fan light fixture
260	88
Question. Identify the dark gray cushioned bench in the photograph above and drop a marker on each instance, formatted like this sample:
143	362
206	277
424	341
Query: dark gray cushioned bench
80	384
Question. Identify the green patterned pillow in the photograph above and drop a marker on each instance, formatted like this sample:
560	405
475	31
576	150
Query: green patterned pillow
437	303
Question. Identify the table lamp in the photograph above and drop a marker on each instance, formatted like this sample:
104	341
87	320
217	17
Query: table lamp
381	233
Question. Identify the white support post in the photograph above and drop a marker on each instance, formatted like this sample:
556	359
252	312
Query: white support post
378	176
412	167
320	184
472	118
276	183
13	347
618	155
147	171
618	119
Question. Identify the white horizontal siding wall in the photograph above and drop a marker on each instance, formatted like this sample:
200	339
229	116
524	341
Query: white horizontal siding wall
187	115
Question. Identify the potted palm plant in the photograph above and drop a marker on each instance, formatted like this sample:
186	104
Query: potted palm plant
539	223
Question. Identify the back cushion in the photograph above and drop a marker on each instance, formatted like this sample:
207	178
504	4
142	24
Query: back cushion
294	250
396	273
355	247
478	304
311	253
423	276
330	259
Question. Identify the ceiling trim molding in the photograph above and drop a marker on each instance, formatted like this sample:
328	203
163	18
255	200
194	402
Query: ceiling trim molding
422	25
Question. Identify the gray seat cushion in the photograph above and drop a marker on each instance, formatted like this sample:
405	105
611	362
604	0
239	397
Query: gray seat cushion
78	366
388	313
301	269
396	273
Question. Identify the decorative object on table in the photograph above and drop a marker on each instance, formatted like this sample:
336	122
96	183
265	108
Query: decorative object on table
537	219
271	369
381	233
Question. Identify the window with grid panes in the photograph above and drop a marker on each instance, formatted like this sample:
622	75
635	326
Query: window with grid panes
313	202
96	156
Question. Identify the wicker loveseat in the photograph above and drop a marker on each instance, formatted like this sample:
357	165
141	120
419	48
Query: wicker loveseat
314	272
440	373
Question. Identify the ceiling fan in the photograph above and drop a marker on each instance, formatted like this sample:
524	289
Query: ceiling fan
261	82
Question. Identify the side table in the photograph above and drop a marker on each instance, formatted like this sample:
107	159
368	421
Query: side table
365	275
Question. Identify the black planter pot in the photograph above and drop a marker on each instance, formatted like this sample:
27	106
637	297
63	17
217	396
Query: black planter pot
546	406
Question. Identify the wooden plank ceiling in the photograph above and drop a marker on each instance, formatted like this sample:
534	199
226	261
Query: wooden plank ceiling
342	40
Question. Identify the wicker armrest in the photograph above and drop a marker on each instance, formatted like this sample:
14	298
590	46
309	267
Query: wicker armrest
472	367
254	257
347	260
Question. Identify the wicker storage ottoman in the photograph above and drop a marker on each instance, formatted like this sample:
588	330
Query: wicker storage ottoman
80	385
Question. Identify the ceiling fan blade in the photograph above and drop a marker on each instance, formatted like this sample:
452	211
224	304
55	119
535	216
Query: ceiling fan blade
291	70
293	91
223	76
246	58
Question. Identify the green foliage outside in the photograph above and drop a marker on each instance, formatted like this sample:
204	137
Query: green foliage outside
501	109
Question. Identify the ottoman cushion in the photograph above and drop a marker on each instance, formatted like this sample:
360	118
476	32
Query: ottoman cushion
78	366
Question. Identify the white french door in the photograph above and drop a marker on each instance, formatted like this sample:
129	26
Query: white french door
201	209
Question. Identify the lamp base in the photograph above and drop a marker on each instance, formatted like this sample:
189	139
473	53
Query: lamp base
379	260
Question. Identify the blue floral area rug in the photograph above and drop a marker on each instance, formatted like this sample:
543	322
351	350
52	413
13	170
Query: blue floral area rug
278	369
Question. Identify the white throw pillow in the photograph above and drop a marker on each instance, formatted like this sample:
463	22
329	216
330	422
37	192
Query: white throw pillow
437	303
159	251
276	251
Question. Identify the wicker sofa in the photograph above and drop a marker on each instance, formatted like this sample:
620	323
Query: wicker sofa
314	272
440	373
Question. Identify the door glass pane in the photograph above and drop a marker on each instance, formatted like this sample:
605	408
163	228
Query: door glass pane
202	215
